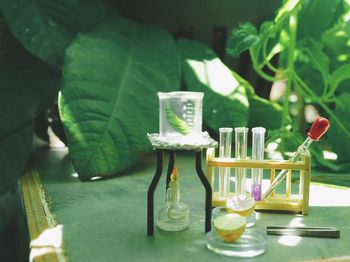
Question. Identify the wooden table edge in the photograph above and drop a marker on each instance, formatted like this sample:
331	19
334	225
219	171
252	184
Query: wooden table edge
40	219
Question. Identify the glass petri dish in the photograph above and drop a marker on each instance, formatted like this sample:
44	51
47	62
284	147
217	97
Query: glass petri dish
252	243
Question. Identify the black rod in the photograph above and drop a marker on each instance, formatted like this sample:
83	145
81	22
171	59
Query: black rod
170	167
208	191
150	194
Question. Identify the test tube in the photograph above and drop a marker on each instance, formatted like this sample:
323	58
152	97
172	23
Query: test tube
257	154
241	154
225	152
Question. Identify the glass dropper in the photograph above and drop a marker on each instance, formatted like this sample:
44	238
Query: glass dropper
318	128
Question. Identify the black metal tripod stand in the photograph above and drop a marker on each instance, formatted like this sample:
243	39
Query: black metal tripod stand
155	180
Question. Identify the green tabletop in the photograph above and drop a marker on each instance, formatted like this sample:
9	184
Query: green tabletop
105	220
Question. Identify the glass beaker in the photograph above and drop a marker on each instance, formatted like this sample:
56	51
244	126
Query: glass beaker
180	113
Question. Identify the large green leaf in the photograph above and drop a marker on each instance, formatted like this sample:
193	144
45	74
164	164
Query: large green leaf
311	76
14	152
331	164
45	28
241	39
340	75
316	56
312	65
262	112
225	101
265	113
109	98
26	85
337	137
315	17
336	42
288	139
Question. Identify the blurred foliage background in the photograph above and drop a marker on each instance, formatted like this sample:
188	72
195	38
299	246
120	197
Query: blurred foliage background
89	72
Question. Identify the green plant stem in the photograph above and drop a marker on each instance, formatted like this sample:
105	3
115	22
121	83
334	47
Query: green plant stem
258	69
333	87
268	59
331	92
290	65
290	6
300	108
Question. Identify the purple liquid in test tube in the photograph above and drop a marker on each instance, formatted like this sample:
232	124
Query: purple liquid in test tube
257	154
256	192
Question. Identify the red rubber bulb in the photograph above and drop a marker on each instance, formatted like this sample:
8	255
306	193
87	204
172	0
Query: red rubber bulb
318	128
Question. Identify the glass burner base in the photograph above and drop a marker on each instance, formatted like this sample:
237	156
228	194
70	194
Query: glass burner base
252	243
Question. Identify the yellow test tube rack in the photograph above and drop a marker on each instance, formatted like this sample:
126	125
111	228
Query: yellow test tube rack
296	203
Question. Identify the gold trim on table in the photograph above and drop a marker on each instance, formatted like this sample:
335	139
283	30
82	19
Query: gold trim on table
46	235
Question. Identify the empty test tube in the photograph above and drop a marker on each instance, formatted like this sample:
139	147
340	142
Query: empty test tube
225	152
241	154
257	154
